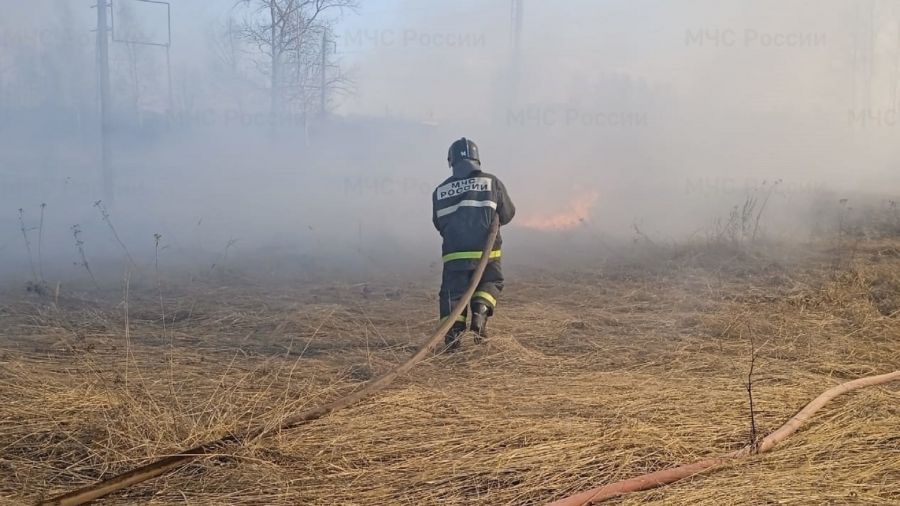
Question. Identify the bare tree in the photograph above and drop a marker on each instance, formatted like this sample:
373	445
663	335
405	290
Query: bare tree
287	36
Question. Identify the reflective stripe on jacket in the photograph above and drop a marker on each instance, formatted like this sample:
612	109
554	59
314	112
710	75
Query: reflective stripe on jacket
463	207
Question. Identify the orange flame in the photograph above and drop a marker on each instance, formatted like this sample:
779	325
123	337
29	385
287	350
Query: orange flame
579	211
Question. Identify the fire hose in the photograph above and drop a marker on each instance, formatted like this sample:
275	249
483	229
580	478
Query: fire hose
671	475
164	465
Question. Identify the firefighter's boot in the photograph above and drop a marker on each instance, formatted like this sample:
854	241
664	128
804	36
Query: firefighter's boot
452	339
480	313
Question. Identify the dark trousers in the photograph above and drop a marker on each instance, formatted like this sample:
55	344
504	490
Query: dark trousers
455	282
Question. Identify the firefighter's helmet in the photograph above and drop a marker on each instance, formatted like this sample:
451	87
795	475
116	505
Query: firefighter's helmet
463	149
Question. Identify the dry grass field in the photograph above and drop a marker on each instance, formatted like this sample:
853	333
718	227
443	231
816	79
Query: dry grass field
592	374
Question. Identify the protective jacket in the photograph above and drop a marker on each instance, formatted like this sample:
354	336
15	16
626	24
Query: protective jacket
463	207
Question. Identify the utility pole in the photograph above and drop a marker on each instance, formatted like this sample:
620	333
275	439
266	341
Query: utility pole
276	49
870	53
517	16
896	80
324	84
169	57
863	54
106	172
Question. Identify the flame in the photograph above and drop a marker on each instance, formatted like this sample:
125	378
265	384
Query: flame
579	211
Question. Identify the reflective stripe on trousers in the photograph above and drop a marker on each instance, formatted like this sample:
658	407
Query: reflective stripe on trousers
469	255
486	297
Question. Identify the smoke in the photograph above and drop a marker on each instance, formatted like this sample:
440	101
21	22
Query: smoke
605	118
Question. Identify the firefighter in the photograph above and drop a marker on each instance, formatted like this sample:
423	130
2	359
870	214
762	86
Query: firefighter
463	208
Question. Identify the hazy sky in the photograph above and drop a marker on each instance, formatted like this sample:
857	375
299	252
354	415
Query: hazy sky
652	111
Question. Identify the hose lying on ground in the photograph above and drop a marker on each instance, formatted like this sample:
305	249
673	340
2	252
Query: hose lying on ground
162	466
666	476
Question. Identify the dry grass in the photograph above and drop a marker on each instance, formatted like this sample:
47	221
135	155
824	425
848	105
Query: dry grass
590	377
